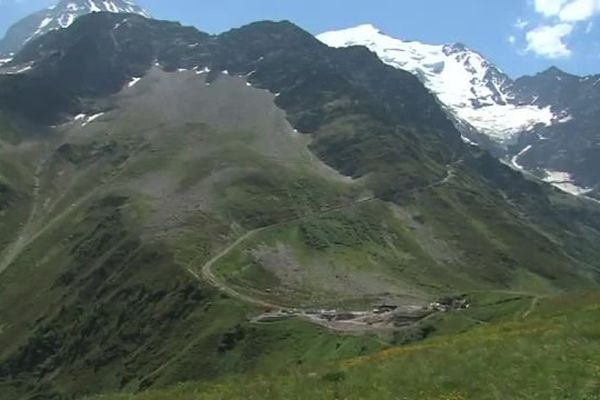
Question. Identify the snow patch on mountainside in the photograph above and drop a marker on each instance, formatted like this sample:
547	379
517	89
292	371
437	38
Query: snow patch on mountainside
473	89
15	69
87	119
92	118
133	82
515	160
564	181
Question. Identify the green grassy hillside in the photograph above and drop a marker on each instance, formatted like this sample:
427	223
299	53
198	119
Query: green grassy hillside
130	207
508	347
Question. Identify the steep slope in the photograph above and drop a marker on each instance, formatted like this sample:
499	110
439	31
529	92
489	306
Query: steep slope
472	88
59	16
303	176
545	124
566	154
16	180
127	203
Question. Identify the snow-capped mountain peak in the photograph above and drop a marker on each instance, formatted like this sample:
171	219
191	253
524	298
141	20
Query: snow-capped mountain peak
58	16
65	12
472	88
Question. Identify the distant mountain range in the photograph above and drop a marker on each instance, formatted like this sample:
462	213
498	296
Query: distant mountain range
545	124
473	89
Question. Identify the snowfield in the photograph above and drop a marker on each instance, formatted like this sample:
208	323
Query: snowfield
564	181
472	88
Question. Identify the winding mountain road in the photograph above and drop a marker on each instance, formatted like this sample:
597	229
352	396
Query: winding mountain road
363	320
209	276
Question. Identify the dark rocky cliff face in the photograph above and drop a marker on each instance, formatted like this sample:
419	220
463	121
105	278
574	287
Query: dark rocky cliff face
574	145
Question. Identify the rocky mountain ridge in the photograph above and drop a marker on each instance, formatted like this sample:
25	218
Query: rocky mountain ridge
60	15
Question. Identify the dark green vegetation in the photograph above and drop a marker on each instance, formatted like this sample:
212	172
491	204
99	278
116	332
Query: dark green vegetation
546	349
16	183
378	200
